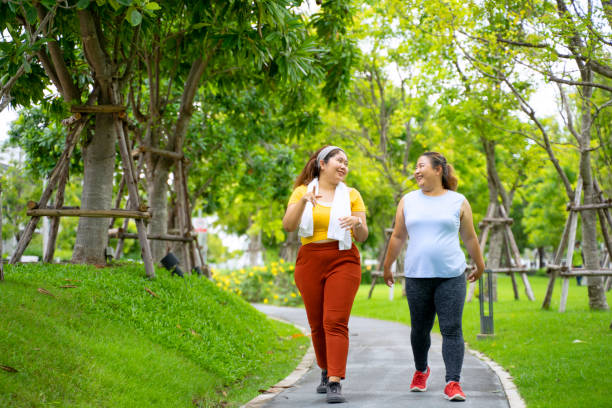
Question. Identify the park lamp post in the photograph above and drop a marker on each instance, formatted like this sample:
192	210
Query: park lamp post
486	321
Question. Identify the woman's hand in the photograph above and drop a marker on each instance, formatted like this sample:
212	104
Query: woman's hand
350	222
388	276
310	197
475	274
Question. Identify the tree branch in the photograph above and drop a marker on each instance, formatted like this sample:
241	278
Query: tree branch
175	142
68	87
579	83
525	107
568	118
94	52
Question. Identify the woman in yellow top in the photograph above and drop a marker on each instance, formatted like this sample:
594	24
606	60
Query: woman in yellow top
327	214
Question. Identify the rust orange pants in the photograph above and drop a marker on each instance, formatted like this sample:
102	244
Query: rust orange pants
328	280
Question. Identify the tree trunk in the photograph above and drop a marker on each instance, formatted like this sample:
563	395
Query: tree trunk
541	260
255	250
494	256
597	294
496	237
100	153
290	247
158	178
158	201
98	167
596	290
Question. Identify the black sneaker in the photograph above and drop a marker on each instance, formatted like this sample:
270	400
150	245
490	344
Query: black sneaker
322	388
334	393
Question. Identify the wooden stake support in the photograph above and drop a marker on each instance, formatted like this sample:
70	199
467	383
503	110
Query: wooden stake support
60	175
568	239
49	252
191	255
97	108
160	152
514	256
116	213
121	241
56	174
117	233
131	181
492	220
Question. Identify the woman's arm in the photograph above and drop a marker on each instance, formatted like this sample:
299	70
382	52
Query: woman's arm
293	215
396	242
470	240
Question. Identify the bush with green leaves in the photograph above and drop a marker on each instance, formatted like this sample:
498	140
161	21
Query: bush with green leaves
272	284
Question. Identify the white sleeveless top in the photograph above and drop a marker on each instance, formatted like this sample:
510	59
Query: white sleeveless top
433	235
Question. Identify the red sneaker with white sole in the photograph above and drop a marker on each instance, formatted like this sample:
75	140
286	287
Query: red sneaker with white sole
419	380
453	392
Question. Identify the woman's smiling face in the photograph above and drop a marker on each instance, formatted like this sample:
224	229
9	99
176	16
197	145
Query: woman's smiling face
336	167
425	175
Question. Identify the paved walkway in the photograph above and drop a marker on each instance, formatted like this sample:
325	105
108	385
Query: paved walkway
380	367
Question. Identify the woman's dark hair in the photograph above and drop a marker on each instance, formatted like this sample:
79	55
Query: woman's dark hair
311	170
449	180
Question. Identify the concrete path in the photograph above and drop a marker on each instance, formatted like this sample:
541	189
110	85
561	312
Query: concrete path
380	367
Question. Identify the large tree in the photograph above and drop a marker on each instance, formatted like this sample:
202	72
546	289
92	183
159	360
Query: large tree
222	48
155	59
86	55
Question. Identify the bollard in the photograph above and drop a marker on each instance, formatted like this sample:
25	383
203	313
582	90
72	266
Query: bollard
486	321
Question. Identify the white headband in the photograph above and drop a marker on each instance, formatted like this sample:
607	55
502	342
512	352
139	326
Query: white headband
323	153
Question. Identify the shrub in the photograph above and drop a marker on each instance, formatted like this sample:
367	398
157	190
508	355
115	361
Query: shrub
366	274
272	284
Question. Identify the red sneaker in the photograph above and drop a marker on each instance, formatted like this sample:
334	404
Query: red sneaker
419	380
453	392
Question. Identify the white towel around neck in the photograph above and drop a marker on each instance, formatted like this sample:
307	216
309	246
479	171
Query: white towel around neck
341	207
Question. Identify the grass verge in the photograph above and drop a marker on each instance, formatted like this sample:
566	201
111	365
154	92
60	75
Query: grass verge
556	359
85	337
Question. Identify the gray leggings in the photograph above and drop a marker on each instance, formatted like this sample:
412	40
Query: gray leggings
444	297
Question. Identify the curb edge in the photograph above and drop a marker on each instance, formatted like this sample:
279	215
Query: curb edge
301	370
512	395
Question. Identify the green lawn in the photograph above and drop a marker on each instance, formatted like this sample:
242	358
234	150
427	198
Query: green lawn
109	343
556	359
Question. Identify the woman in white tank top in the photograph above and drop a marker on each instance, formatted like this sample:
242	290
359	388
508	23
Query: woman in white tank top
433	217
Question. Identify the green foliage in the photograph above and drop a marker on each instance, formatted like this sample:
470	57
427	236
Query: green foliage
17	189
544	212
217	252
112	343
42	138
